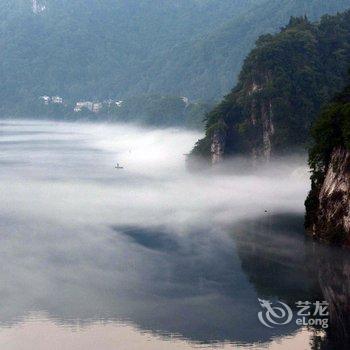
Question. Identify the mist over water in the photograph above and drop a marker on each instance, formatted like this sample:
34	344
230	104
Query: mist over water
151	246
66	173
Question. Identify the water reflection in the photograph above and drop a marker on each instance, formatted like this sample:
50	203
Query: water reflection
282	263
196	290
274	253
85	246
333	271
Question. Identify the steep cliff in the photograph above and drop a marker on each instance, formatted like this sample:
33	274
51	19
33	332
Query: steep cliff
328	203
283	84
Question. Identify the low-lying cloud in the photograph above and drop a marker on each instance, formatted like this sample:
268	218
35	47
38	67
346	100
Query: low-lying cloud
66	173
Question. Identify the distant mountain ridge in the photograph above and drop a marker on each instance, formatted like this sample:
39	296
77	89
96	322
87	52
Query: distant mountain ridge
89	49
86	49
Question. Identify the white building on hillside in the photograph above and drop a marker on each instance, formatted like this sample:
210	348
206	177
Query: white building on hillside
96	107
57	100
186	101
37	7
46	99
83	104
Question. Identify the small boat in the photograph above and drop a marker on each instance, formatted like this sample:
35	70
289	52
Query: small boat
119	167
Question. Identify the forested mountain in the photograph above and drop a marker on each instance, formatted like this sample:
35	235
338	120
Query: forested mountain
283	84
89	49
95	49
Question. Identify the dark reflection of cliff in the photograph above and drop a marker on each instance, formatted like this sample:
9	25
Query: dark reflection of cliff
283	264
334	279
273	255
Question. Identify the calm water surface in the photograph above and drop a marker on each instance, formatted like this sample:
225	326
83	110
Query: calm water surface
151	257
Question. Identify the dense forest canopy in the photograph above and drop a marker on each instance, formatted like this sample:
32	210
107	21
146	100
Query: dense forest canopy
95	49
86	49
331	130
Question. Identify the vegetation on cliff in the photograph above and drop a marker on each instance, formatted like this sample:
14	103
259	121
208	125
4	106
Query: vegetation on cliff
331	130
283	84
327	205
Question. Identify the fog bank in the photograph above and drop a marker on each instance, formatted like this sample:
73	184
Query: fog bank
65	173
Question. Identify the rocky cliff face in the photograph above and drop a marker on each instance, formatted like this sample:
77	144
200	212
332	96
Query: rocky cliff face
268	130
217	147
255	132
261	121
328	204
329	219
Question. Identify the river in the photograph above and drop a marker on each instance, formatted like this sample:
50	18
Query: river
152	256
